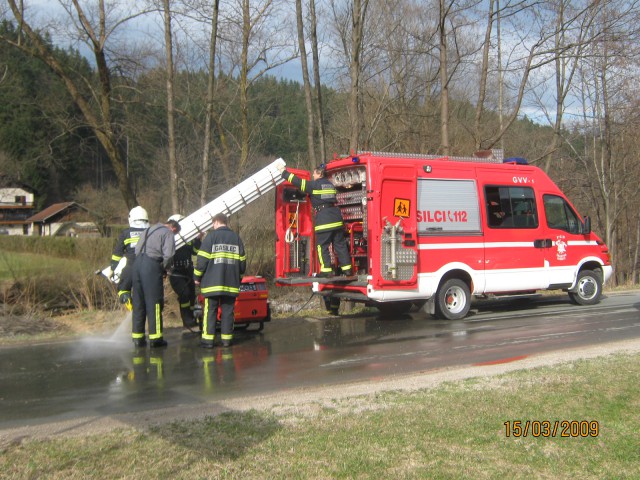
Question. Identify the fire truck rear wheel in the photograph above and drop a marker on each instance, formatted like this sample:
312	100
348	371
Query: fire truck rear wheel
588	288
453	300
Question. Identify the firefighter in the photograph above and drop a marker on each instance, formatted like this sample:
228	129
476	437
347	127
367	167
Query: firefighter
221	261
154	253
329	226
181	277
124	252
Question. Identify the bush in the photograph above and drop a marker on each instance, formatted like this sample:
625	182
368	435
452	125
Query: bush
63	247
55	274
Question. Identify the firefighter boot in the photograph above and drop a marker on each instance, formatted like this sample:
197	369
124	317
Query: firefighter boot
158	343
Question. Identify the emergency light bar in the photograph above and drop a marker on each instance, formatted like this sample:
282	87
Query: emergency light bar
230	202
495	155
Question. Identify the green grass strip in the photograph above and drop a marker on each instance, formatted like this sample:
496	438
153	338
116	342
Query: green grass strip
456	430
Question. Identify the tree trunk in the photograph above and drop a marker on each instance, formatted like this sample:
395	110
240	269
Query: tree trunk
316	79
484	73
444	83
307	88
173	163
357	28
209	107
244	86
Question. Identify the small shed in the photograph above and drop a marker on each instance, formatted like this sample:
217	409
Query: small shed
62	219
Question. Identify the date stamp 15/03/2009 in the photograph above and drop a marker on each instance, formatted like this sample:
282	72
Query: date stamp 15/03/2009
552	428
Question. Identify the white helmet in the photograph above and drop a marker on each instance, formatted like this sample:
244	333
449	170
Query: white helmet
138	217
177	217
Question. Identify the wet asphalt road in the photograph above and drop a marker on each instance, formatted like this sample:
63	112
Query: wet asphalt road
105	376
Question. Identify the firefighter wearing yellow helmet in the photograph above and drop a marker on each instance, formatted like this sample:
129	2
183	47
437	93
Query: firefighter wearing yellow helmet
124	252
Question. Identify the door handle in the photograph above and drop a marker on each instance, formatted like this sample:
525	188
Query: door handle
542	243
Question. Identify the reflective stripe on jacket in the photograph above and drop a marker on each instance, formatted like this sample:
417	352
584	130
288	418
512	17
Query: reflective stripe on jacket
322	194
220	263
125	246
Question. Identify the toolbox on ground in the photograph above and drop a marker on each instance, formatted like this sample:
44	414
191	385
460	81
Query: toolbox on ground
252	304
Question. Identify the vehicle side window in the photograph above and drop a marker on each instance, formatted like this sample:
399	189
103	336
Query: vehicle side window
511	207
560	215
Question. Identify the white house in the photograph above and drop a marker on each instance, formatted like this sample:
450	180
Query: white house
16	206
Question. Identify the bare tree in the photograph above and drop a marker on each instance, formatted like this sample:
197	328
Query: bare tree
307	87
570	43
316	77
444	10
264	45
358	16
211	78
94	101
484	73
171	124
608	149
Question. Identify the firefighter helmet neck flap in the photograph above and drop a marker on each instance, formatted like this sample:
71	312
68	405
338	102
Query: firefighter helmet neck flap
138	218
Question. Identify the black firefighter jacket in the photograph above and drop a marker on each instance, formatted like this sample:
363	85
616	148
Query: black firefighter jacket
125	246
220	263
323	201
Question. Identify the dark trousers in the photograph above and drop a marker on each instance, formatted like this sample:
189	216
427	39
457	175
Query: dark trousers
182	283
227	305
126	278
147	297
337	238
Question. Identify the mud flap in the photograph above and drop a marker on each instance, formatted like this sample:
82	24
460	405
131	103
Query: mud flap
430	306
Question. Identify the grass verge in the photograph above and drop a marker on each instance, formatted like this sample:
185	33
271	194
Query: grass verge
456	430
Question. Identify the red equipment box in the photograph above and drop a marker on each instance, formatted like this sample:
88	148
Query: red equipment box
252	304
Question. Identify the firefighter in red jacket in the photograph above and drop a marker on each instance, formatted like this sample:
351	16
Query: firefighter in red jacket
329	226
220	263
124	252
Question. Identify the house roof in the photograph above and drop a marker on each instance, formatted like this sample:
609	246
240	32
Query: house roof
51	211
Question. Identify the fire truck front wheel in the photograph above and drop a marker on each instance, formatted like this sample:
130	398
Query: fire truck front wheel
453	300
588	288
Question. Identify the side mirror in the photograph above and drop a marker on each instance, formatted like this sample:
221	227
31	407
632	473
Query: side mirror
587	225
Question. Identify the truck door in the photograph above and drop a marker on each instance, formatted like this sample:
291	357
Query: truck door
515	241
397	227
566	244
294	230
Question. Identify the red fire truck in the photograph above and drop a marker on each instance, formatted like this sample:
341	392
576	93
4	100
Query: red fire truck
435	231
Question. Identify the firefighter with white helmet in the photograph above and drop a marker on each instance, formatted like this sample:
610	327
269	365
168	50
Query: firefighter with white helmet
181	277
124	252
